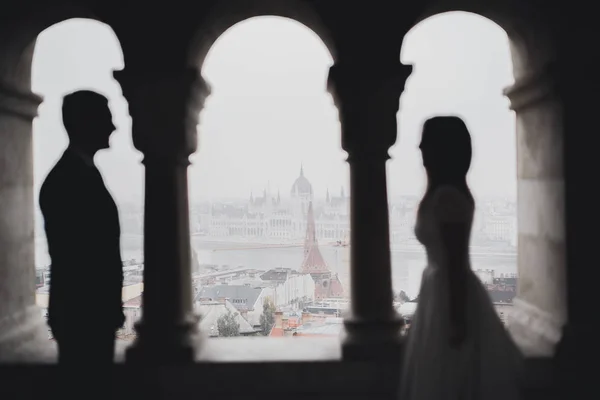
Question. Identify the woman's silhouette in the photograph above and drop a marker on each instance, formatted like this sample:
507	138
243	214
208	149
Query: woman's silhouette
457	347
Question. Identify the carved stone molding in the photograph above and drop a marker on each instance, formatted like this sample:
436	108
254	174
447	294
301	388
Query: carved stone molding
368	101
535	331
165	109
532	88
19	103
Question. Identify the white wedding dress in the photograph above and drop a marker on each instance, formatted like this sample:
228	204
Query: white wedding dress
485	365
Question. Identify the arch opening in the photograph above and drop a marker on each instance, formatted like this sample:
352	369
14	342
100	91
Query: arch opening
462	70
81	54
462	63
224	17
269	180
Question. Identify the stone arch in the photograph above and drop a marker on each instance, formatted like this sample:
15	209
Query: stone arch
529	38
15	66
304	37
540	311
229	13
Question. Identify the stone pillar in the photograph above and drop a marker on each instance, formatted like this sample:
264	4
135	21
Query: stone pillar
165	108
577	84
368	102
23	332
540	307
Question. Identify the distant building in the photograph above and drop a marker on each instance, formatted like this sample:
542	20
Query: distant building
270	216
284	325
494	221
284	287
297	290
502	290
211	311
329	307
306	324
500	228
327	284
247	300
329	327
242	297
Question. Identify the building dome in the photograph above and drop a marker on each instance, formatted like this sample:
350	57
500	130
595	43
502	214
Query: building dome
301	186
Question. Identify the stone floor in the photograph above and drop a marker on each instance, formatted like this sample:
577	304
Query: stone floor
241	349
248	349
244	368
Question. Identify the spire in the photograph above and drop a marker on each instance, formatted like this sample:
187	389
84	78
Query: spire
327	198
311	230
251	197
278	197
301	169
268	199
195	263
313	259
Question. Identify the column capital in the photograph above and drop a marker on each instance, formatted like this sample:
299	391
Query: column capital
20	103
533	87
165	108
368	100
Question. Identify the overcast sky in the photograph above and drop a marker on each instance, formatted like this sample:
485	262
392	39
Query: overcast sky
269	111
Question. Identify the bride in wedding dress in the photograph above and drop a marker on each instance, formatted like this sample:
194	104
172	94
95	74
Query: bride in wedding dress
457	347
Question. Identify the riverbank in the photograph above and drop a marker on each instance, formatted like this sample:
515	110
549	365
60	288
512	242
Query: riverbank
408	261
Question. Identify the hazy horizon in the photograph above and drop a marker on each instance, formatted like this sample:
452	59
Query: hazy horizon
269	111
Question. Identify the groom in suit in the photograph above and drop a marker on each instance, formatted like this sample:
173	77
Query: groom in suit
83	232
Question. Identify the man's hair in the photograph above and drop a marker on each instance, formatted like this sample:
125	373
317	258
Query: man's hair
81	107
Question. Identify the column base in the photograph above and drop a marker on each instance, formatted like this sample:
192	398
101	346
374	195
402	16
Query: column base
160	344
535	331
25	338
373	340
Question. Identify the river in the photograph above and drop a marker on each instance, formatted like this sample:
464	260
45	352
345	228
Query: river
407	266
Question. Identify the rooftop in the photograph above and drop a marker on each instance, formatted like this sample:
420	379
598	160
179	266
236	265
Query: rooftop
211	311
330	327
231	292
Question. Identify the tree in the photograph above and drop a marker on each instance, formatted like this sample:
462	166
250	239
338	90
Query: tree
267	318
227	325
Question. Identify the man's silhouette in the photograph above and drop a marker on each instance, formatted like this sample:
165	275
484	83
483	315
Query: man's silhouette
83	233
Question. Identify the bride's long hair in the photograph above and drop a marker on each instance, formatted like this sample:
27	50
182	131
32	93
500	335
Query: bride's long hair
446	149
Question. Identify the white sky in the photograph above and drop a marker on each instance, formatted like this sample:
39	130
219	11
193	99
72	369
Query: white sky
269	111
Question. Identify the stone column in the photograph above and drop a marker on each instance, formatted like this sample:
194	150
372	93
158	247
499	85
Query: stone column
165	108
540	307
368	102
578	85
23	332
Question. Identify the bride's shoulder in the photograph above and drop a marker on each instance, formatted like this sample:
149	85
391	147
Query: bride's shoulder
451	204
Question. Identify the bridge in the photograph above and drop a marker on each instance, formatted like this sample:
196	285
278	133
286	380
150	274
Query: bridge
408	251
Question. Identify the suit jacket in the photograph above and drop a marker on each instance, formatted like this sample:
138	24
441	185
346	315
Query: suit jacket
83	232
